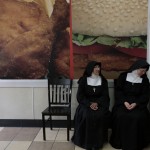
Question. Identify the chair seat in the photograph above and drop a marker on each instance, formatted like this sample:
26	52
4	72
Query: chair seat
57	111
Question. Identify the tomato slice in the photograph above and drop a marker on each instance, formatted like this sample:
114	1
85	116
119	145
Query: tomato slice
137	52
95	48
99	48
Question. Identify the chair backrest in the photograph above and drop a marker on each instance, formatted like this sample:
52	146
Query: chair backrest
59	92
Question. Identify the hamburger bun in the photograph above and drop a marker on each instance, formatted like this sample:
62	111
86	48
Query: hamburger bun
112	32
110	17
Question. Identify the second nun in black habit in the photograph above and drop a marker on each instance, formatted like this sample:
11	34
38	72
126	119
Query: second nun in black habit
130	116
92	114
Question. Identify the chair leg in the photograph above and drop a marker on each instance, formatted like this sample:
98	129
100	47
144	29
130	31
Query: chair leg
51	124
68	127
70	122
43	121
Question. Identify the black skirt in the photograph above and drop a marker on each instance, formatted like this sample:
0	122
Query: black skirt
90	127
130	129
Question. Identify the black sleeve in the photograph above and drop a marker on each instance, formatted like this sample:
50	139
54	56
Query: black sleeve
120	98
104	99
143	98
81	97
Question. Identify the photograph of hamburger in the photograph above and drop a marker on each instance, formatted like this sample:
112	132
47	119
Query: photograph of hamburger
112	32
28	31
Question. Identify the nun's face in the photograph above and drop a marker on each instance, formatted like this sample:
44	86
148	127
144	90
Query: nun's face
96	70
141	71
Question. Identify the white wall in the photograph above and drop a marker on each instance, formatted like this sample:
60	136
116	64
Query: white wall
26	99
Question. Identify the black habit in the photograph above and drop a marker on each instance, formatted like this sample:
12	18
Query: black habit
91	125
131	128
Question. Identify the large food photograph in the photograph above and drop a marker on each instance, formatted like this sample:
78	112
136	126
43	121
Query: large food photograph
33	36
112	32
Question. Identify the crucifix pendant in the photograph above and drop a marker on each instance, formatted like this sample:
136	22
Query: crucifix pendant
94	89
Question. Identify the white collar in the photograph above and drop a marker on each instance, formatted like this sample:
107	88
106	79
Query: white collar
133	77
94	80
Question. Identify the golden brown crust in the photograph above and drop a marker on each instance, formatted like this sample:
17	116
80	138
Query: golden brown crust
61	15
62	54
26	38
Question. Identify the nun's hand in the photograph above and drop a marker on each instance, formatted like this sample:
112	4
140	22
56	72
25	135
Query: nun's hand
127	105
94	106
130	106
133	105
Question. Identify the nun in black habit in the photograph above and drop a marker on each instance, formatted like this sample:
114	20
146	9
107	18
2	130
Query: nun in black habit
130	116
92	114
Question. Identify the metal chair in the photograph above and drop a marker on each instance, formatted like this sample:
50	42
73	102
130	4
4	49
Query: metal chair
59	100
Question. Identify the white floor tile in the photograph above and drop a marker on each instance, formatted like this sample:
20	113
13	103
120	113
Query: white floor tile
62	135
56	135
4	144
19	145
78	148
1	128
107	146
50	134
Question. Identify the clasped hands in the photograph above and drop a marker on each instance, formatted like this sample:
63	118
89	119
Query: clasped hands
130	106
94	106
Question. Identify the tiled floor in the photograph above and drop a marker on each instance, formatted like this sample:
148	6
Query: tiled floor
14	138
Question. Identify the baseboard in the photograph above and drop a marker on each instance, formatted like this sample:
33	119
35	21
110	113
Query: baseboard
30	123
